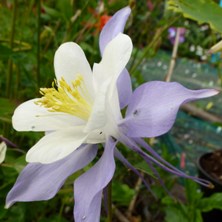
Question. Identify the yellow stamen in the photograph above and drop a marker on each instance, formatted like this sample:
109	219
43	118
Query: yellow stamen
64	98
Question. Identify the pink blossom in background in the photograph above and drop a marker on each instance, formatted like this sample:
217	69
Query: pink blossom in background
172	34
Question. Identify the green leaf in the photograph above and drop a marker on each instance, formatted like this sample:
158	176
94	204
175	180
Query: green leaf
14	162
5	52
167	200
66	9
177	211
122	193
88	48
202	11
175	214
17	212
198	216
213	202
53	13
192	193
6	109
20	163
144	167
2	212
54	218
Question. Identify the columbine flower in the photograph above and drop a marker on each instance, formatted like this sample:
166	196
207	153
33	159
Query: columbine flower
82	109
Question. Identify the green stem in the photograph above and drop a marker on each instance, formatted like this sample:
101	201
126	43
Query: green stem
38	42
10	64
110	210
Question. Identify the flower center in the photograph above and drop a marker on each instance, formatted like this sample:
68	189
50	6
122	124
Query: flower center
73	99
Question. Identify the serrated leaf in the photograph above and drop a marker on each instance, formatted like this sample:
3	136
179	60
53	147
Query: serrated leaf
210	203
202	11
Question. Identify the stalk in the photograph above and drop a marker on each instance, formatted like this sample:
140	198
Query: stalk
173	57
38	42
10	63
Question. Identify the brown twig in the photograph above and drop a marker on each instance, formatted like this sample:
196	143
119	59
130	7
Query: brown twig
119	215
133	201
173	57
195	111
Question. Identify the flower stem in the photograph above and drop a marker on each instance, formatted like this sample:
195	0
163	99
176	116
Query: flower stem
110	210
38	42
173	58
10	63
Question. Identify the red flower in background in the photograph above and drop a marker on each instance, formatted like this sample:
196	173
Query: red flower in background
103	20
150	5
99	20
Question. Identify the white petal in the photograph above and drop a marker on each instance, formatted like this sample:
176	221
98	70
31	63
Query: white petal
3	149
31	117
98	118
105	75
70	61
56	145
95	137
115	57
105	113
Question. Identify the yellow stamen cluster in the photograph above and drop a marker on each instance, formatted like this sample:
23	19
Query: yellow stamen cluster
67	99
